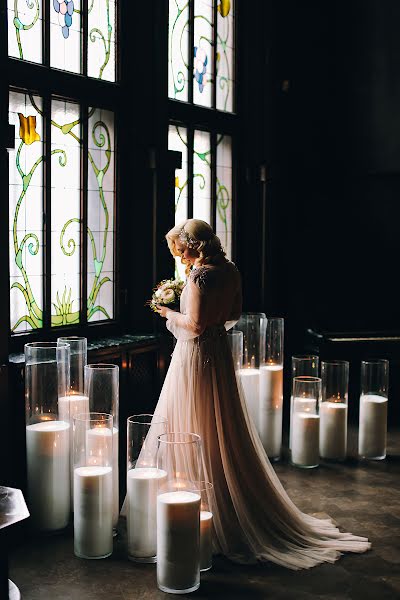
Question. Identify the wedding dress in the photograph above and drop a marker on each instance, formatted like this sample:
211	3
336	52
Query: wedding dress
254	519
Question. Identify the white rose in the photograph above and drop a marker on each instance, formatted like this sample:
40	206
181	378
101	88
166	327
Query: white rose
158	293
168	296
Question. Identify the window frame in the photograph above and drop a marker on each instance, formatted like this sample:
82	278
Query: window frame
50	83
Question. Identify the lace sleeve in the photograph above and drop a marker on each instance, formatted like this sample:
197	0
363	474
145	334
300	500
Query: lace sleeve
193	323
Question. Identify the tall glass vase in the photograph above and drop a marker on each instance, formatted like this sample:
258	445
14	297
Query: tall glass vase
303	365
47	434
305	437
178	513
333	409
93	481
373	409
252	325
75	402
143	479
271	389
235	339
102	389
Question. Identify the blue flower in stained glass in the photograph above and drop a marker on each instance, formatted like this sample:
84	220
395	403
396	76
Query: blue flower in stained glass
200	66
65	9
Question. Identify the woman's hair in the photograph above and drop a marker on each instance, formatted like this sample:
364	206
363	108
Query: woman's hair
198	235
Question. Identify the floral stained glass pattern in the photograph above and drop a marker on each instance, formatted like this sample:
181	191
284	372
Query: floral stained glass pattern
26	213
102	36
202	176
225	55
65	213
203	53
224	192
177	140
178	50
101	224
65	35
25	29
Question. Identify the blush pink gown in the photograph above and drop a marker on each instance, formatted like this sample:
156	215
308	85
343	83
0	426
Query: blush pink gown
254	519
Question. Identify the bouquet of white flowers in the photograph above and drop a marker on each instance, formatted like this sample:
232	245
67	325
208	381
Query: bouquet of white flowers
167	293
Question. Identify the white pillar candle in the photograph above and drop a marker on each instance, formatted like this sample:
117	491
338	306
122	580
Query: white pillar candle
333	430
206	521
372	426
178	541
68	408
94	448
250	380
93	536
305	439
271	405
142	488
302	405
47	448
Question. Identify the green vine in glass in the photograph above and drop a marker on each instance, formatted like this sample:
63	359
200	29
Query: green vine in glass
19	26
106	39
64	313
178	27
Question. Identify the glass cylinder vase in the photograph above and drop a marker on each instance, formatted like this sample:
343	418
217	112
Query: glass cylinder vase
373	409
252	325
305	435
47	435
333	409
235	339
178	513
75	402
93	482
271	388
142	483
206	491
302	365
102	389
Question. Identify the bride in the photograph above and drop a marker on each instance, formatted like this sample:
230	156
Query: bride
254	519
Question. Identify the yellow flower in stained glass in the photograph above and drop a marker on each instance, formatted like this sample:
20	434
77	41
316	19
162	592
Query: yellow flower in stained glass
224	7
27	129
177	182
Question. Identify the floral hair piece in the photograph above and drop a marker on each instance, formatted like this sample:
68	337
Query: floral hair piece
188	240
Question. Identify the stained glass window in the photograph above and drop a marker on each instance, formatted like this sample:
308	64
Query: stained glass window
203	68
101	223
25	29
177	140
210	196
26	213
224	192
178	49
101	43
212	42
25	33
65	35
225	55
202	176
65	213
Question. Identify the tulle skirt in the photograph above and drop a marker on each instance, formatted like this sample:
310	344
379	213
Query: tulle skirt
254	519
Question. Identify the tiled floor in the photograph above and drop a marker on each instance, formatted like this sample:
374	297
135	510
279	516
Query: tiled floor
362	498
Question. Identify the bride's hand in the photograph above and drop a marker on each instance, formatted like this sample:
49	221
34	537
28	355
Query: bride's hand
163	310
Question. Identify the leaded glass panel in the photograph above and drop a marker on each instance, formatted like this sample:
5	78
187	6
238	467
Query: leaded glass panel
65	213
225	55
25	29
203	68
26	213
101	224
202	176
65	35
177	140
101	42
178	50
224	192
